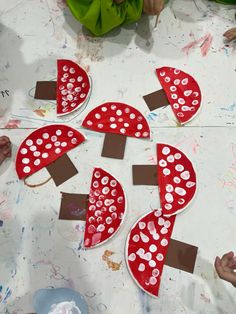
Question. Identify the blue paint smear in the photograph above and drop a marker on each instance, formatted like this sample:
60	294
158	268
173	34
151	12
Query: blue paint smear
0	288
1	224
230	108
7	295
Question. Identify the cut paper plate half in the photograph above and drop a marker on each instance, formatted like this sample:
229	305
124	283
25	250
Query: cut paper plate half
118	118
146	249
59	300
106	209
182	91
176	179
45	145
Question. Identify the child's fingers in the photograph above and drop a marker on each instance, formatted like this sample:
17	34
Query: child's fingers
230	34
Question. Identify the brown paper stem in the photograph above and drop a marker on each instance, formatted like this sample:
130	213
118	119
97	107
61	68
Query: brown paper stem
73	206
156	100
46	90
145	175
181	255
36	185
62	169
114	145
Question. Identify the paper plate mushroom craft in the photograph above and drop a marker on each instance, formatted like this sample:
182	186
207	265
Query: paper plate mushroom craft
103	209
180	90
47	147
149	247
117	120
175	176
71	90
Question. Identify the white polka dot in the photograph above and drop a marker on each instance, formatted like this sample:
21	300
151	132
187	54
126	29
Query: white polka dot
105	190
74	141
147	256
48	146
25	161
152	263
132	116
162	163
26	169
155	236
176	106
162	73
195	94
187	92
144	238
112	208
105	180
176	82
180	191
167	224
155	272
45	136
120	199
104	109
184	81
142	225
141	267
29	142
170	158
108	220
177	180
153	281
139	126
179	167
113	125
185	175
89	122
137	134
70	133
70	85
114	192
161	221
127	110
180	114
181	201
176	71
132	257
160	257
167	79
165	150
136	238
113	183
126	124
153	248
100	228
181	101
122	130
119	112
39	141
100	125
37	162
57	150
173	88
97	116
190	184
65	68
145	134
169	197
168	206
36	154
164	242
23	151
194	102
57	143
166	171
33	148
45	155
174	96
111	230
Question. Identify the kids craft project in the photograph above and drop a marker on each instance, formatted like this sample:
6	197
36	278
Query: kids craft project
47	147
117	120
174	175
105	207
71	90
149	246
180	90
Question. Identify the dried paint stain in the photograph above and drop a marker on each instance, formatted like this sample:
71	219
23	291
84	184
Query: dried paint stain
113	265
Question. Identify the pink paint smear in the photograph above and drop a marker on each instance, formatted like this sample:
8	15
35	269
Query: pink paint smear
205	45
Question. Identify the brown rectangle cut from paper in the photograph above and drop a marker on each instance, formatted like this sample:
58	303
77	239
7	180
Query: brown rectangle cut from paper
145	175
62	169
181	255
156	100
46	90
73	206
114	146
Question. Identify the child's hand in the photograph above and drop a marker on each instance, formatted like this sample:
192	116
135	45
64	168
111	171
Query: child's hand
226	266
118	1
230	34
153	7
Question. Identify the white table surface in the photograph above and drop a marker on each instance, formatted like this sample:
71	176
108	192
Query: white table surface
37	249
